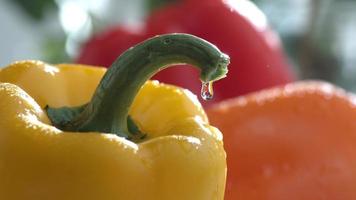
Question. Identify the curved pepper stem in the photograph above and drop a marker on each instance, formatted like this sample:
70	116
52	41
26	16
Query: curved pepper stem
108	109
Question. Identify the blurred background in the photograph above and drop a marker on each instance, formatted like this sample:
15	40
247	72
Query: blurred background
318	36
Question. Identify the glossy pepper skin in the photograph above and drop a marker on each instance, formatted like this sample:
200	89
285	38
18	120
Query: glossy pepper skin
181	157
292	142
238	27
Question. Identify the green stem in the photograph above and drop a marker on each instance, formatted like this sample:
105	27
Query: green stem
108	109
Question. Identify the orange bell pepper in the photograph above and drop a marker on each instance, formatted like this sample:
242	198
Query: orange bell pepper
293	142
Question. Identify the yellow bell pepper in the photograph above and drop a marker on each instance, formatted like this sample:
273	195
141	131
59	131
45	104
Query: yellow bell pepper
135	139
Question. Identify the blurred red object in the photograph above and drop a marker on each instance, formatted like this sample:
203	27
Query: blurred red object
237	27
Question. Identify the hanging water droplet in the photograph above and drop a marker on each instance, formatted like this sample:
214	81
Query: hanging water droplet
207	92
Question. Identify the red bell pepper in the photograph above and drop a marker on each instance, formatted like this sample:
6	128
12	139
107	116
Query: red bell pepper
103	48
239	28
